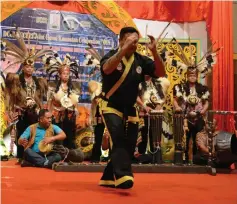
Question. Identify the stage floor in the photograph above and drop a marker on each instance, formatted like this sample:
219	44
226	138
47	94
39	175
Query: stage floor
38	185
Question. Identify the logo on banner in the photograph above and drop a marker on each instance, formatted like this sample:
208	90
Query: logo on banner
139	70
70	23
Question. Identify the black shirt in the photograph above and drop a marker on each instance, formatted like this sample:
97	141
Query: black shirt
127	93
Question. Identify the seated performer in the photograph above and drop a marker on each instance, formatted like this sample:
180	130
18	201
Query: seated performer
224	147
122	71
64	97
202	145
152	93
45	132
24	92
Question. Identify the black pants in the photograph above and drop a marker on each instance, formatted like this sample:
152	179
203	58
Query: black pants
68	125
200	159
224	162
193	130
26	119
124	138
144	132
96	150
39	160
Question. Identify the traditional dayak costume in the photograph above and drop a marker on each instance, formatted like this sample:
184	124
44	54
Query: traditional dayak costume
23	97
153	94
63	101
191	97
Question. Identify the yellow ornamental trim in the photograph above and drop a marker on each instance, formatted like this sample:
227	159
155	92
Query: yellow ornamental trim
110	14
11	7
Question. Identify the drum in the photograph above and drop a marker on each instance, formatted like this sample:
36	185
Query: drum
155	119
178	132
226	148
179	138
155	127
45	148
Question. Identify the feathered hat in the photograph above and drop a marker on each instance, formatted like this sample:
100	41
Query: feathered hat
93	57
53	64
23	54
188	63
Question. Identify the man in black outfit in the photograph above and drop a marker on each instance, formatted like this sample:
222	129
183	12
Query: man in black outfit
122	71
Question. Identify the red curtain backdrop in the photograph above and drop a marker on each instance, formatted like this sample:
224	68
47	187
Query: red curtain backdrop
220	28
179	11
219	20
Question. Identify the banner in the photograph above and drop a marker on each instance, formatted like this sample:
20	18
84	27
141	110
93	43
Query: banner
64	32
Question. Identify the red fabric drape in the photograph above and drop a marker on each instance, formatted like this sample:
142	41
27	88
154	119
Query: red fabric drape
179	11
219	19
220	28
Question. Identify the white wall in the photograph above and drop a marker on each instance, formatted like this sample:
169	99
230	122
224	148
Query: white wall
195	30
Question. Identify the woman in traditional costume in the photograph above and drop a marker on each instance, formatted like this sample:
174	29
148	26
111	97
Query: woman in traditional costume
63	96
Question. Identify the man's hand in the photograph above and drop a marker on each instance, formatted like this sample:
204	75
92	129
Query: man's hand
23	142
13	117
105	140
147	109
152	44
130	42
203	112
185	128
48	140
159	108
178	109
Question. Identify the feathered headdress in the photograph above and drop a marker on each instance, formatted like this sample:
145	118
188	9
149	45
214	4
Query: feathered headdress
94	88
53	64
142	45
23	54
93	57
188	63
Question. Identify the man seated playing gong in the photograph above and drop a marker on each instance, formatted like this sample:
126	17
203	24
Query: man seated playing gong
39	136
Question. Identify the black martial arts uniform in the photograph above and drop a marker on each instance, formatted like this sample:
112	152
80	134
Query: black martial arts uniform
121	117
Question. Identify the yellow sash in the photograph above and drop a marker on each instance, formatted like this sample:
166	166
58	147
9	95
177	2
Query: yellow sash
128	65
